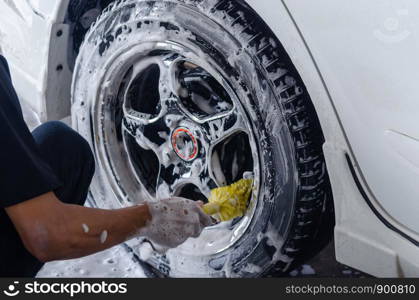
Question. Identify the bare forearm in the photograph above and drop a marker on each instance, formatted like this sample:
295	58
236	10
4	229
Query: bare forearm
91	230
52	230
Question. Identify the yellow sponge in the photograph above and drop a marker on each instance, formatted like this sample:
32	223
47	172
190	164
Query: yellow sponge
229	202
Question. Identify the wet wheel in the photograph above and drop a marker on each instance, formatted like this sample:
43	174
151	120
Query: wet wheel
180	97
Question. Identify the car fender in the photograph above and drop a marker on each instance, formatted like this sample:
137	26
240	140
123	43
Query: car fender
34	50
315	36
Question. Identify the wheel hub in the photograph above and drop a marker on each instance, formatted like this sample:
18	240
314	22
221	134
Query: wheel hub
185	144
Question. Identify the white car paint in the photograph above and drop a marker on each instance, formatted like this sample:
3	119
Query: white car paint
380	140
358	61
378	105
28	38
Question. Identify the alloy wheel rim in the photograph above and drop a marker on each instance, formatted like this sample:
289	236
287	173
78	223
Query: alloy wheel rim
187	139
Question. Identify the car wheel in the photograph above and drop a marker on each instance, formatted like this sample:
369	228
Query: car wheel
180	97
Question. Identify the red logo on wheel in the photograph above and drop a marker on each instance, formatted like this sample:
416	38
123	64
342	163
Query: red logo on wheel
185	144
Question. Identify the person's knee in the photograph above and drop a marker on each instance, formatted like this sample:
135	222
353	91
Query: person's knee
57	138
70	157
54	133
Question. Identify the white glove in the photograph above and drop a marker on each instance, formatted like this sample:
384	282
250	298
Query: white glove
173	221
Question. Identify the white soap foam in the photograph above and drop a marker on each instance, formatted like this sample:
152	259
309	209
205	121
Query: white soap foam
103	236
93	266
86	228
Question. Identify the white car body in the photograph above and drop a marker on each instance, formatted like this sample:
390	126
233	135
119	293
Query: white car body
358	60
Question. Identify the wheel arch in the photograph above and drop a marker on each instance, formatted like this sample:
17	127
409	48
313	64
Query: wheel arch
62	55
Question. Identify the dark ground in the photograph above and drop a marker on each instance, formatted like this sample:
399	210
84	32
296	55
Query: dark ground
325	265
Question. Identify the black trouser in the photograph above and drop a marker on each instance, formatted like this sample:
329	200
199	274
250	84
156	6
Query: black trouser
70	157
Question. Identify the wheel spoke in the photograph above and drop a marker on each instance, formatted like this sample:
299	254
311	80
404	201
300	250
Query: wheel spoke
152	132
168	86
206	183
144	134
166	92
179	173
220	128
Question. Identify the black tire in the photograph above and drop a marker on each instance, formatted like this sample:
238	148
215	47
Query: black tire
295	191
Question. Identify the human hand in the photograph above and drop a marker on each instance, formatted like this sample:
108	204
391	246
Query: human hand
173	221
